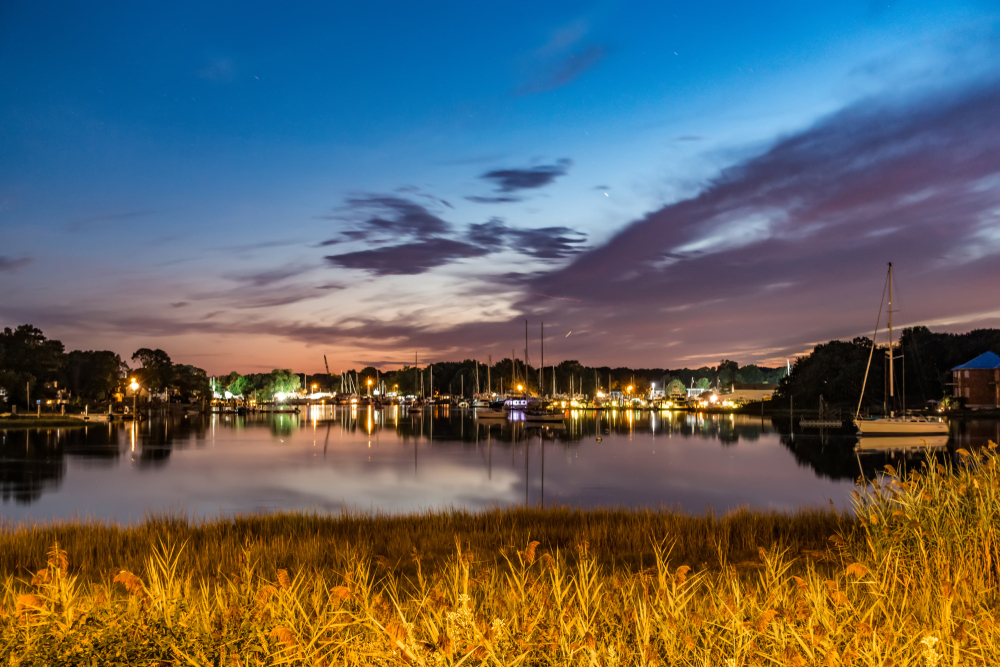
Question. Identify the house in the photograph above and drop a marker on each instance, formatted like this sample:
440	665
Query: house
751	391
978	381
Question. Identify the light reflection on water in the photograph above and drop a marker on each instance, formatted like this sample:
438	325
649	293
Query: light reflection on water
330	458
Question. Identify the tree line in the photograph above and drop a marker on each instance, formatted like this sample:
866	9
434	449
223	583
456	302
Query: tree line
32	364
35	367
471	376
922	370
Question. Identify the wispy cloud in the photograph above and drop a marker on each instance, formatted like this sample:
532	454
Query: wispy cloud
410	240
563	58
565	70
270	276
528	178
407	258
374	217
105	219
11	264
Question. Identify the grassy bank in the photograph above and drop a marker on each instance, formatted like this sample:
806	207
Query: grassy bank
10	422
912	582
618	538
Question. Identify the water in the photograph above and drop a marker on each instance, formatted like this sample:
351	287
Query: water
368	459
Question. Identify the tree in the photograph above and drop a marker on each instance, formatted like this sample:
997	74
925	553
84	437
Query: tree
27	357
836	370
190	383
93	375
238	385
703	383
157	369
675	388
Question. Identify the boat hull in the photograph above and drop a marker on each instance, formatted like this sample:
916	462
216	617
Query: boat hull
899	426
544	418
901	442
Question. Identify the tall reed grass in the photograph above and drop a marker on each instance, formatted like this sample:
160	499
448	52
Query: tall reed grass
912	582
296	541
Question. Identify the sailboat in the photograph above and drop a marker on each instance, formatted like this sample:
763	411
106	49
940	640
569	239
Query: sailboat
893	425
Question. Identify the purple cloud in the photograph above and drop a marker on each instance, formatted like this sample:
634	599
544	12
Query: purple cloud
10	265
387	216
773	245
541	243
407	258
512	180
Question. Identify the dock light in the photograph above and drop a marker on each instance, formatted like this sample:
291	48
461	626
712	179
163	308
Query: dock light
520	387
629	389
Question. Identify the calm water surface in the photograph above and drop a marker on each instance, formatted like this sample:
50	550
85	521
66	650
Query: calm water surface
368	459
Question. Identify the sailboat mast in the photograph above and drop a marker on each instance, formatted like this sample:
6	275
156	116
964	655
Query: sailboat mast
541	365
891	365
526	355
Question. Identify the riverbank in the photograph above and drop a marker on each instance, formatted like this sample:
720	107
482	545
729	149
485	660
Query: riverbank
9	422
913	581
299	541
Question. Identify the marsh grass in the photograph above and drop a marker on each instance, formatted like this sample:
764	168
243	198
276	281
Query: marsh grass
912	582
622	538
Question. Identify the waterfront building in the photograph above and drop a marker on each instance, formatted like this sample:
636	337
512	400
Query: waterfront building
751	391
977	382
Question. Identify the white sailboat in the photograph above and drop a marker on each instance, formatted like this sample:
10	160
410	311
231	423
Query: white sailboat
893	425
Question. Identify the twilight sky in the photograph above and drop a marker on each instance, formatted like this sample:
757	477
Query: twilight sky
254	185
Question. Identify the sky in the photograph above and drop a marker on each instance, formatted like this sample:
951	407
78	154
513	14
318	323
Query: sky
252	185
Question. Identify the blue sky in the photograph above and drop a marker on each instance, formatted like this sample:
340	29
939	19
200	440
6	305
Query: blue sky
252	185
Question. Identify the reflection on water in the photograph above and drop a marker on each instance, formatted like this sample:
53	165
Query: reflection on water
363	458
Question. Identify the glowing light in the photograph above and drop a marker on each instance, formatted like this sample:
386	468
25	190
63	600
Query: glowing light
520	387
713	398
134	386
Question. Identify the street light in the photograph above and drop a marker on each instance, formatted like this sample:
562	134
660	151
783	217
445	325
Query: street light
135	389
369	387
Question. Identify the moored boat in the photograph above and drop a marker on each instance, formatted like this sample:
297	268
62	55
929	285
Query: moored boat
892	424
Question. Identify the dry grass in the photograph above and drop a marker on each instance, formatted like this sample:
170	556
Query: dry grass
913	582
300	541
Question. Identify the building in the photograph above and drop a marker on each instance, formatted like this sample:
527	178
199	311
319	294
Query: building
751	391
978	381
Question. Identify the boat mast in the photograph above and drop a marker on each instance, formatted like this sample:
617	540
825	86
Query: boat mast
526	356
891	393
541	365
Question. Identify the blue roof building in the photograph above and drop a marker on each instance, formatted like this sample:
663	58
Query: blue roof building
977	382
986	361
